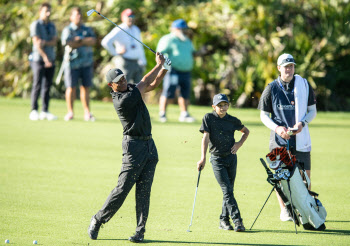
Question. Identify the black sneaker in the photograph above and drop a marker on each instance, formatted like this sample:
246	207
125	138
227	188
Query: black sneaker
137	238
94	227
225	225
239	226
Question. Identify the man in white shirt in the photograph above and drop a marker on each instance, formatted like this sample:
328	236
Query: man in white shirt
129	54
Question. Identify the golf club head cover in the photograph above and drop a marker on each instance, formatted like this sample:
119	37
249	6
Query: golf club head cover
281	154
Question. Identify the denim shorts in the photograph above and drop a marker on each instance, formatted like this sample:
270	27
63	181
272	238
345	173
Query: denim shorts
72	76
176	79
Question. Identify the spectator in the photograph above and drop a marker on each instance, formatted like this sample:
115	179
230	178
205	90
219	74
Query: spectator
129	54
42	61
80	39
179	49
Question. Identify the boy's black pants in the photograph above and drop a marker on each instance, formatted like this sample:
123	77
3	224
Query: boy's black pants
225	173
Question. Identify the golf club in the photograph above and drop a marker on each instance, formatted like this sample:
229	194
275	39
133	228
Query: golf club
91	11
290	191
199	175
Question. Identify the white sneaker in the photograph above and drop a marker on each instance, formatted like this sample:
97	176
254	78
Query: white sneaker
68	116
162	118
47	116
285	216
186	118
34	115
89	117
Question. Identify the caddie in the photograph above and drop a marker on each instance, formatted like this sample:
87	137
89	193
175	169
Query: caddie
289	102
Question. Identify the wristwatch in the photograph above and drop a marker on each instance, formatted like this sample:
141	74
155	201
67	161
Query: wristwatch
303	123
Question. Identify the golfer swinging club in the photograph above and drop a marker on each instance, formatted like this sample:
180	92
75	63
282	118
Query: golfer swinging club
140	155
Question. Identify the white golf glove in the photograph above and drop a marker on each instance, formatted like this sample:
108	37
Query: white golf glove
167	63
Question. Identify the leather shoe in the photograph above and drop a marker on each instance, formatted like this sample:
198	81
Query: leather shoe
94	228
225	225
239	226
137	238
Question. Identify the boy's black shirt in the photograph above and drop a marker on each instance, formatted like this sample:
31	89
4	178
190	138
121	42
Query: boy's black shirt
221	131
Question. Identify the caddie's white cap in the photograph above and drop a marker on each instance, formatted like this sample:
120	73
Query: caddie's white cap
285	59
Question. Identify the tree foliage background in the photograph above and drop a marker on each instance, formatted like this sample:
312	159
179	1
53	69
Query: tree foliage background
242	39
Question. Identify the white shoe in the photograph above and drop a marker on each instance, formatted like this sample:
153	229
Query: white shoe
162	118
47	116
285	216
186	118
68	116
89	117
34	115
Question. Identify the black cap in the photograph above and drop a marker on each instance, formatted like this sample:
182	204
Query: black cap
218	98
114	75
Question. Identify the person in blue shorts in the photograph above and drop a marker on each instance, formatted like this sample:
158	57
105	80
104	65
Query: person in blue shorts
179	49
80	40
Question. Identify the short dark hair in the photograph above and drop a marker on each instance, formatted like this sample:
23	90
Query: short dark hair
78	9
47	5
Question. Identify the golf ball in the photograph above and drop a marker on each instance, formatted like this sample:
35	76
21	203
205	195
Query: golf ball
35	242
7	241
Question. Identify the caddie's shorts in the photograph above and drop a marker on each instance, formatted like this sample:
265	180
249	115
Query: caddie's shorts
304	157
176	79
72	76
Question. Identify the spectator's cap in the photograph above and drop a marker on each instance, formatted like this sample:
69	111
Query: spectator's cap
285	59
180	23
128	13
218	98
114	75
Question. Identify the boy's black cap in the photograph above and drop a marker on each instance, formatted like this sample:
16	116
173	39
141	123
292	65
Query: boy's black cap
218	98
114	75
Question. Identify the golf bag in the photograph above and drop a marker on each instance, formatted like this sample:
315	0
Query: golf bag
291	183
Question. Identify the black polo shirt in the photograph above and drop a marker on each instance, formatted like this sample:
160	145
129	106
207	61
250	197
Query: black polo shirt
221	131
132	112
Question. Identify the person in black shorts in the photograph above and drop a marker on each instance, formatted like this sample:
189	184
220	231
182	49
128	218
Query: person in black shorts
218	128
140	155
289	102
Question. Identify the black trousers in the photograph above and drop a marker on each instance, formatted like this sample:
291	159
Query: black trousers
225	173
140	158
42	77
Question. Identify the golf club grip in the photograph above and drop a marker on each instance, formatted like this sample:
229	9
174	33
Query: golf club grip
265	166
199	175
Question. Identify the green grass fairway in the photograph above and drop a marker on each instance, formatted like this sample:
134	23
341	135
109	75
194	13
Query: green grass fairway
55	175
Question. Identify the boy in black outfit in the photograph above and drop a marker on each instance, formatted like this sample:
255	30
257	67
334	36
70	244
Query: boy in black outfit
218	128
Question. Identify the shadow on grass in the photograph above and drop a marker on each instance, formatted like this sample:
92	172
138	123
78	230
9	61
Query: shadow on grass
338	221
301	231
192	242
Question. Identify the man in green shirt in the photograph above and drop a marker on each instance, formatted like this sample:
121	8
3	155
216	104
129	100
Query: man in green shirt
179	49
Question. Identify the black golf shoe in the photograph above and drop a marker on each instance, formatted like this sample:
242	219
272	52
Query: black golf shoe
137	238
225	225
239	226
94	228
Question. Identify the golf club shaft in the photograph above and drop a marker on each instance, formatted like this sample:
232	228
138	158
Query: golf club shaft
195	196
262	207
126	32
